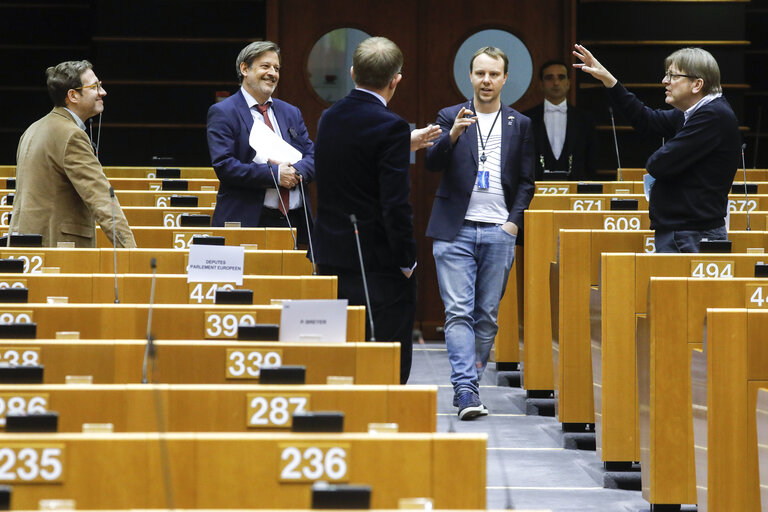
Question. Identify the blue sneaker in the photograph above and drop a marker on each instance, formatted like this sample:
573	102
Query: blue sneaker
470	406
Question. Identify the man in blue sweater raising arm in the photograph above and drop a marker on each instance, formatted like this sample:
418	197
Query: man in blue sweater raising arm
694	169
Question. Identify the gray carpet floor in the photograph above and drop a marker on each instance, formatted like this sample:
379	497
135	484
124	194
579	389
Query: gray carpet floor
527	464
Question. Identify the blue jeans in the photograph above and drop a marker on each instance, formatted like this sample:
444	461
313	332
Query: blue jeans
472	272
686	241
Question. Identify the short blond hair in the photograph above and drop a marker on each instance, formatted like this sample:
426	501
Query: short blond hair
376	61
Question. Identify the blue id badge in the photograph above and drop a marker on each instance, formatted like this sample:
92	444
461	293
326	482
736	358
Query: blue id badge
482	179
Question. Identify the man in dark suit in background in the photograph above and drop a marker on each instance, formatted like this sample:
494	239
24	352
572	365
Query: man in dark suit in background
564	135
485	154
247	190
363	159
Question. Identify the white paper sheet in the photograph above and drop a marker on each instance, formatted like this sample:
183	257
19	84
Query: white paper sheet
270	146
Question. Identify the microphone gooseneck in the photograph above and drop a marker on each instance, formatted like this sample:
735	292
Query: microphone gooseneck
149	351
746	196
285	209
114	240
306	219
616	145
353	219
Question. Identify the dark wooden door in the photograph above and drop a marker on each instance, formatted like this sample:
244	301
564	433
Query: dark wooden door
429	32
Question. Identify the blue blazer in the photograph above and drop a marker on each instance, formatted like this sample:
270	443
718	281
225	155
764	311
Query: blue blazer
243	182
363	163
459	164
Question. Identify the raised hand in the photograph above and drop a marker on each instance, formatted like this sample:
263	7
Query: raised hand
589	64
464	118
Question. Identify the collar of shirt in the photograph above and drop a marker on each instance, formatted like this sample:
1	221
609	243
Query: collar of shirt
703	101
79	121
250	100
376	95
551	107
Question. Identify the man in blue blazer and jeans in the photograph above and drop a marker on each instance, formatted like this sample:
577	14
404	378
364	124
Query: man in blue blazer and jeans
486	156
247	190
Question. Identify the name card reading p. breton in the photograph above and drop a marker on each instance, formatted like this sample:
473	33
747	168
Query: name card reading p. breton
215	264
314	320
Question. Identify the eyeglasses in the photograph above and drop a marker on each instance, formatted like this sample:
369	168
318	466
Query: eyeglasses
95	86
669	76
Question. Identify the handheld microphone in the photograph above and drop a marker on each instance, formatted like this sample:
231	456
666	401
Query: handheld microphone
149	351
746	196
114	239
306	219
353	219
285	209
616	144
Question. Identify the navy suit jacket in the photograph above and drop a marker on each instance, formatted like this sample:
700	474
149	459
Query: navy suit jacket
579	148
242	183
459	164
363	163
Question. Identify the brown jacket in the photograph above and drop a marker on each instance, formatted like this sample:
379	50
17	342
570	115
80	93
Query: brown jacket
61	189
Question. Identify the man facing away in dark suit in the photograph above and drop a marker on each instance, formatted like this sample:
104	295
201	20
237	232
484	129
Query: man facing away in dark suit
363	159
694	168
485	154
248	191
564	135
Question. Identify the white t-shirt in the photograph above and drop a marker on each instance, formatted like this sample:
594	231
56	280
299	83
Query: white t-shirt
488	205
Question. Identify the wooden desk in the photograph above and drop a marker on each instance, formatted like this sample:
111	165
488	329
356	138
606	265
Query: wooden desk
156	184
181	238
227	361
623	296
582	202
571	187
728	375
113	171
753	175
170	288
224	408
137	261
169	321
576	279
236	470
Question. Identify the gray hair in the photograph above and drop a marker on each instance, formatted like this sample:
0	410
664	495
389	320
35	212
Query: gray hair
493	52
699	63
252	52
376	61
63	77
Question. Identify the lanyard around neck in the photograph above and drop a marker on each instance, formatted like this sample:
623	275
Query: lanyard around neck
483	158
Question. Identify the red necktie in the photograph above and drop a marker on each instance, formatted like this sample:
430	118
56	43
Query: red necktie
284	192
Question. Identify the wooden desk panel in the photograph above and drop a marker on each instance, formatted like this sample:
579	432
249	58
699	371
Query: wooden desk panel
180	238
170	288
237	470
170	322
205	362
224	408
624	295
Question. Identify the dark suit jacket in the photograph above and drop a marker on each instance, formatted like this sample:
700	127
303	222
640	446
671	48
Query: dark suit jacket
363	161
579	148
695	167
459	163
243	182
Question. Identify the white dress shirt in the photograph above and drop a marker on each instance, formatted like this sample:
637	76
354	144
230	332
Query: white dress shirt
270	197
556	120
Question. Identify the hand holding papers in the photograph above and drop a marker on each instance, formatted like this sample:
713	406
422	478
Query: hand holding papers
270	146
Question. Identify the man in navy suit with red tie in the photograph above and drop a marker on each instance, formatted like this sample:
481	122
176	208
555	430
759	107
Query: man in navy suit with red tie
247	190
485	155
